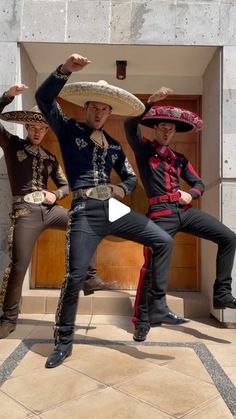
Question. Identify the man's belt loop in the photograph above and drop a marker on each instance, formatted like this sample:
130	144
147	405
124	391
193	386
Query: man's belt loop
172	197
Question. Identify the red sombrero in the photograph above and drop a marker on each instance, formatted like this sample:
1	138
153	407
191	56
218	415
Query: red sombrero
184	120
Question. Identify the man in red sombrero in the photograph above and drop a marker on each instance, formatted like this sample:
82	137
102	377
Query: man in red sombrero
90	154
29	167
160	169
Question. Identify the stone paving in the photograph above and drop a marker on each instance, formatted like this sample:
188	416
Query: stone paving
186	371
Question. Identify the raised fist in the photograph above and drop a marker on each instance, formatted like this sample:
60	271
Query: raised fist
74	63
161	94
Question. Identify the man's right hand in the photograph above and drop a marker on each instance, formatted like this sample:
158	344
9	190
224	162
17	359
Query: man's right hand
16	90
161	94
74	63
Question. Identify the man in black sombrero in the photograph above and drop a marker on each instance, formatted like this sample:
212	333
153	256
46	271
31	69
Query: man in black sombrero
29	167
170	208
89	155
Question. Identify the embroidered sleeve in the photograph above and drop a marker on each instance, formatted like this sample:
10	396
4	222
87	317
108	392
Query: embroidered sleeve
60	181
124	169
4	134
46	100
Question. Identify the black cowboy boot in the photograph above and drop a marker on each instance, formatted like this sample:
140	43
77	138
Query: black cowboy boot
227	302
59	354
63	346
141	332
158	313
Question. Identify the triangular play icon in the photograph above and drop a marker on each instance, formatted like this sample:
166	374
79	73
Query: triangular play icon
116	209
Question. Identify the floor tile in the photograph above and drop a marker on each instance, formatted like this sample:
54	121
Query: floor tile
7	346
184	360
43	388
10	409
225	355
216	409
105	404
108	365
171	391
33	360
116	332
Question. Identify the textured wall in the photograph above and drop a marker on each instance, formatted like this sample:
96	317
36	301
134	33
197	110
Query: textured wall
210	165
164	22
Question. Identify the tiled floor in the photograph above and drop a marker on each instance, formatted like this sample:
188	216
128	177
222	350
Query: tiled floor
184	371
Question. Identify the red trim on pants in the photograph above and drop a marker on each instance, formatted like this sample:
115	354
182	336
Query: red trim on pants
147	252
159	214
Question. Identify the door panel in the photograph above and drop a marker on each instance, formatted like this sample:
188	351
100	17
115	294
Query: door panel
118	259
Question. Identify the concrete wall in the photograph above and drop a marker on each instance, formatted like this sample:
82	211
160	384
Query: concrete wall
160	22
211	165
228	161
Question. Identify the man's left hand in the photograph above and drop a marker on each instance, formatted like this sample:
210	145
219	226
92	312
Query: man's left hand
50	198
185	198
117	192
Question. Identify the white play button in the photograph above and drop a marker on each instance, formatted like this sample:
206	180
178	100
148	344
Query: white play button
116	209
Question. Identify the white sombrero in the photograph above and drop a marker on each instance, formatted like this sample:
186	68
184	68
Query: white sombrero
121	101
34	116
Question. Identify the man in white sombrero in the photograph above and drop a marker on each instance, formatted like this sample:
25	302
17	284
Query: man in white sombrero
170	208
89	155
29	167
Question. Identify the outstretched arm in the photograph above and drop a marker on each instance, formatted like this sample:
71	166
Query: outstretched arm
5	100
131	124
50	89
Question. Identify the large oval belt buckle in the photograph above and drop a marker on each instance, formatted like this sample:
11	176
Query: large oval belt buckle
36	197
101	192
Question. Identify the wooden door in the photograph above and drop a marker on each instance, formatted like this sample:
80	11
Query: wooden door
118	259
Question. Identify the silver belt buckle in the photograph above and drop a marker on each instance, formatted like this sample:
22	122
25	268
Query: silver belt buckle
101	192
36	197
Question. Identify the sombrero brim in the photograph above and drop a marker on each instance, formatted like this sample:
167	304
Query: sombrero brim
121	101
180	126
24	117
184	120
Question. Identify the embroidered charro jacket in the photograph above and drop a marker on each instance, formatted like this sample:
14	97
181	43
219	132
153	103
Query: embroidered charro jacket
29	167
161	167
86	164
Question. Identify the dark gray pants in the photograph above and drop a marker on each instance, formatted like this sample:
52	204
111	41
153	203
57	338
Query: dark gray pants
151	307
89	224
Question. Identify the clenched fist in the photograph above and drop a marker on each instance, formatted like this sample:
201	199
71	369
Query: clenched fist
74	63
185	198
161	94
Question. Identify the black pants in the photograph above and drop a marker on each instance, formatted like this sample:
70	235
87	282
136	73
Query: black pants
150	307
88	225
28	222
